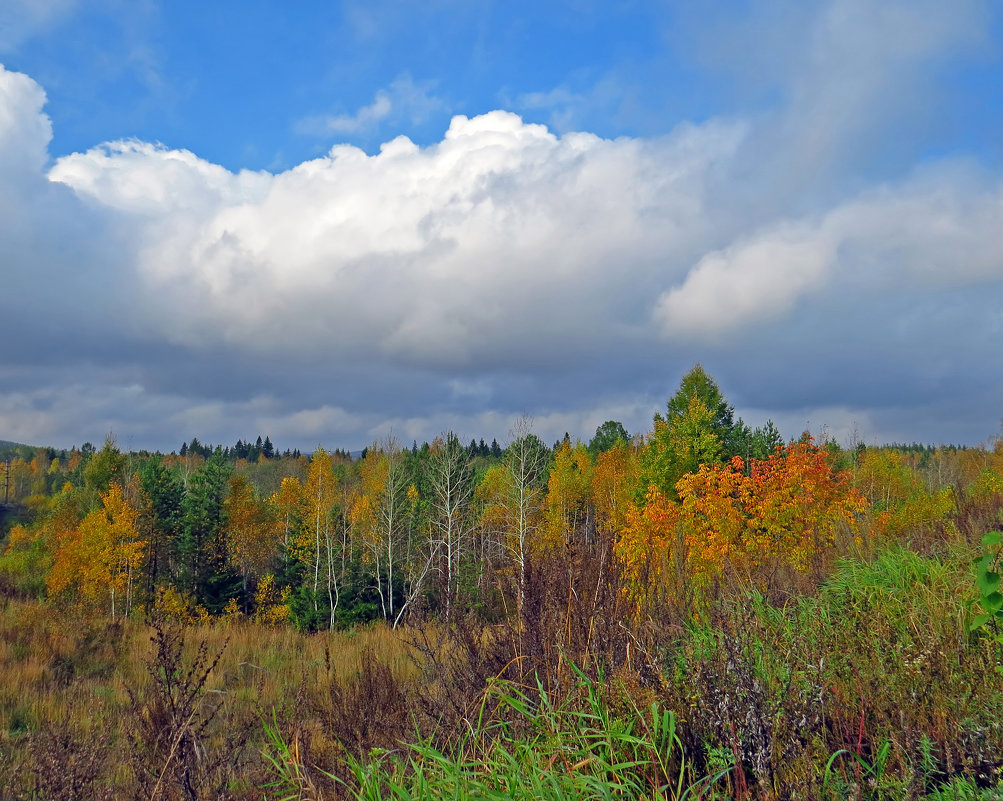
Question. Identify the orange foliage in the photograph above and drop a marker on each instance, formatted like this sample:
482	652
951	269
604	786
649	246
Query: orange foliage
784	510
614	478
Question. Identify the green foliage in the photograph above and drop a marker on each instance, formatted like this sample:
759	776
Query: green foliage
206	572
607	436
987	582
105	466
698	384
679	446
161	518
523	744
699	427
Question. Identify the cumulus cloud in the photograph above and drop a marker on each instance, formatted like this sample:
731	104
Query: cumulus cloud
747	282
25	132
437	256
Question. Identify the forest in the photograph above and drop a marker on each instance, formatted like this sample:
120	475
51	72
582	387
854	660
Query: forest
703	610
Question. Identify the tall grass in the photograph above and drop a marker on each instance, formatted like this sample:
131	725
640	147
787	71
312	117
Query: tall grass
868	685
525	744
90	682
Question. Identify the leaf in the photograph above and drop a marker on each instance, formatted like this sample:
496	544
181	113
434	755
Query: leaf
992	602
988	582
992	538
978	622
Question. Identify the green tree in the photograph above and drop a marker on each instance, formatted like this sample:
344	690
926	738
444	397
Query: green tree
104	467
698	428
697	383
160	518
206	572
607	435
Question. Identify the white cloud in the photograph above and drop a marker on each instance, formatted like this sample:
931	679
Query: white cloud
403	101
747	282
509	268
25	132
448	254
939	230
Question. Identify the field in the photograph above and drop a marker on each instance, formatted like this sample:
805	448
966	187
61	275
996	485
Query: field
871	687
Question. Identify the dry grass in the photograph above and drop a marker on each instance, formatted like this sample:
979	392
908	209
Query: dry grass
87	679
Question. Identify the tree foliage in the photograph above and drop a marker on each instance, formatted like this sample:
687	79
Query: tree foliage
784	510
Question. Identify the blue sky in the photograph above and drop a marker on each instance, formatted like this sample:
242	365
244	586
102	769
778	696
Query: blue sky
214	227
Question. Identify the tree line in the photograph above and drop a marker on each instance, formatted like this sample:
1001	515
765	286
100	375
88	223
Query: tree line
326	540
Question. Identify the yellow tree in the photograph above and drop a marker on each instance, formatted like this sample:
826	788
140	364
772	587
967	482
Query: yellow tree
569	510
899	494
615	480
379	516
320	493
252	535
101	558
286	503
511	495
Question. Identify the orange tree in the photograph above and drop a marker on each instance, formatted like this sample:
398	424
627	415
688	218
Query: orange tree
784	510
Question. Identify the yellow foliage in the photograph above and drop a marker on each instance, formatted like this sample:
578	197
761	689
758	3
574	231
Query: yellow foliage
271	607
175	606
569	496
614	477
101	557
898	494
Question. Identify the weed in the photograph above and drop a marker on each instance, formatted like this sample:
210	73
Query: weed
170	724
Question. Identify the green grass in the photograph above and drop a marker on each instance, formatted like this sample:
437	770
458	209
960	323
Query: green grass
524	745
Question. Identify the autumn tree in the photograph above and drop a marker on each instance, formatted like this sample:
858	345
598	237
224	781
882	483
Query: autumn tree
379	514
784	510
314	545
570	514
287	504
252	539
615	479
900	497
513	499
102	557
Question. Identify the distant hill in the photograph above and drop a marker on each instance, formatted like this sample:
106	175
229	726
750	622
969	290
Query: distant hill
10	449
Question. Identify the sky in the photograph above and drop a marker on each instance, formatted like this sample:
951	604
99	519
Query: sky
335	222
